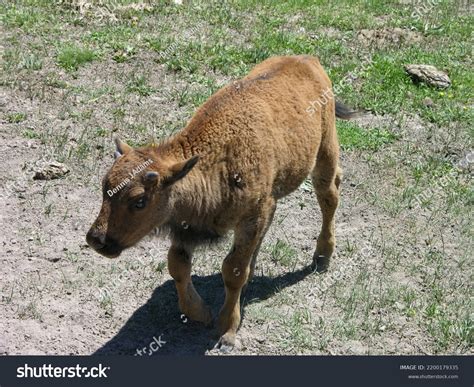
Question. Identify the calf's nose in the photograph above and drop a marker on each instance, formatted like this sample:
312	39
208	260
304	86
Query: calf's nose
95	238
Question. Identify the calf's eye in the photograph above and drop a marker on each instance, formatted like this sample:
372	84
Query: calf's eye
140	203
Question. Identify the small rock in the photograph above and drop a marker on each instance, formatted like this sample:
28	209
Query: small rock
428	102
429	75
399	305
50	170
3	100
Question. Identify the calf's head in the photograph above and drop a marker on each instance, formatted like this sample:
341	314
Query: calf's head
135	197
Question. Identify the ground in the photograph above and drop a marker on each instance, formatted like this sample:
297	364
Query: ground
76	73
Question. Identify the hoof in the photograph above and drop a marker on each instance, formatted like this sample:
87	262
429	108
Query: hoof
226	343
320	263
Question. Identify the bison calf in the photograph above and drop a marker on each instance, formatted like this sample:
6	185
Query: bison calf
250	144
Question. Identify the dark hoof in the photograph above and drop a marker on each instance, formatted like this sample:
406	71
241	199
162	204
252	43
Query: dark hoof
320	263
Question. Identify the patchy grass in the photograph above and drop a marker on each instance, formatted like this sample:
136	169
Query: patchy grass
283	254
139	84
351	136
29	133
31	62
15	118
71	57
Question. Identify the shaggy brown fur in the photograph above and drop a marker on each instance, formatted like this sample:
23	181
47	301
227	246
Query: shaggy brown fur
249	145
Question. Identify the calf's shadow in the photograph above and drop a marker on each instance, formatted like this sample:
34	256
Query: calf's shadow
160	320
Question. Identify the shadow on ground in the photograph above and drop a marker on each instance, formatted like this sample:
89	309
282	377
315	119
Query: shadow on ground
160	316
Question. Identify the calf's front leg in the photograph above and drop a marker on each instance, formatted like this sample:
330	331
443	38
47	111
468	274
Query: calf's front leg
190	302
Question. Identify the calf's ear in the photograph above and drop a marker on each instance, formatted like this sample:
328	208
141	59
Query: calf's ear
181	169
122	148
150	178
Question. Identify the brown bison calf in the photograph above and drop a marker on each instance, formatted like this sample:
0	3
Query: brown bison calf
249	145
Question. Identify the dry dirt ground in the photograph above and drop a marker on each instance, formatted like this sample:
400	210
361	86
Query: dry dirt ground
400	283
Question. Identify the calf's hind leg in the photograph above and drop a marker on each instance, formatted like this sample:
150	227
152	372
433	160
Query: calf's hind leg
190	302
237	268
326	177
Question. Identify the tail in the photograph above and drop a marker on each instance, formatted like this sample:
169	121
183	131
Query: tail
347	113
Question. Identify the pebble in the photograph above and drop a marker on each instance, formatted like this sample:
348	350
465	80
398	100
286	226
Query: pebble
428	102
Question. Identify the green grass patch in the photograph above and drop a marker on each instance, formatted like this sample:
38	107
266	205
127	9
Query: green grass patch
15	118
71	57
31	62
386	87
30	134
352	136
139	84
21	17
283	254
121	40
